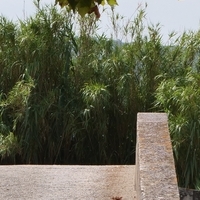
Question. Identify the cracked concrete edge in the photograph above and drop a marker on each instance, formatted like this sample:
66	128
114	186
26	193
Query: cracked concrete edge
155	168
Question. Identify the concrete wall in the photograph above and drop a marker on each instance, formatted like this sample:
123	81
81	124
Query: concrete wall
155	169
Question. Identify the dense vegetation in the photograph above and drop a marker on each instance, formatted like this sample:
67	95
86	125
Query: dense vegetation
69	98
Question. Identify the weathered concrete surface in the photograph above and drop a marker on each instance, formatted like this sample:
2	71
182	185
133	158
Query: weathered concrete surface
40	182
155	169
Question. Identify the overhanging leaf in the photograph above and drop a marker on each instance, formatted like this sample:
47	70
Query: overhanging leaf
83	10
85	6
62	3
103	3
99	1
112	2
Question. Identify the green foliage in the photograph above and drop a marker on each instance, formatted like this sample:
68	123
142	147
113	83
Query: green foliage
9	146
67	99
85	6
178	95
180	99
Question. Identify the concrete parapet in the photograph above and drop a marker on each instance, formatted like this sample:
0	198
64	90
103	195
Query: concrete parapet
155	169
67	182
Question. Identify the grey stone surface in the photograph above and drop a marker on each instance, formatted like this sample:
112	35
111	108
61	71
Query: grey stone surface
155	169
49	182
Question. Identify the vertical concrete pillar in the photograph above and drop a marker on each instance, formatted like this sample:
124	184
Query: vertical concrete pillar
155	169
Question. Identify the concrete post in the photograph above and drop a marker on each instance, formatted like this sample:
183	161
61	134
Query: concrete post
155	169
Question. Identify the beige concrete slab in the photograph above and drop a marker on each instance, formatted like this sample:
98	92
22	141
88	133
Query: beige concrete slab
46	182
155	172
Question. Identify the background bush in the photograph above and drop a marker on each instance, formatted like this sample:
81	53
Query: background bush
68	98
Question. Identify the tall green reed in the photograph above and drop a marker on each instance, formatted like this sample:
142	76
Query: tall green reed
178	95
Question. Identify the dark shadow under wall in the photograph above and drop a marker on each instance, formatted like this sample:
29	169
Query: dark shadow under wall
189	194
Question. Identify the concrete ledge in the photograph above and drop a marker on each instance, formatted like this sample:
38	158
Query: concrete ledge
155	169
62	182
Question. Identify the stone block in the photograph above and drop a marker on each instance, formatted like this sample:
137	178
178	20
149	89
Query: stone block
155	169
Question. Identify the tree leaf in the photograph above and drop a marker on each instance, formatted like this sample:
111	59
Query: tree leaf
85	6
112	2
99	1
95	9
62	3
73	4
83	10
103	3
